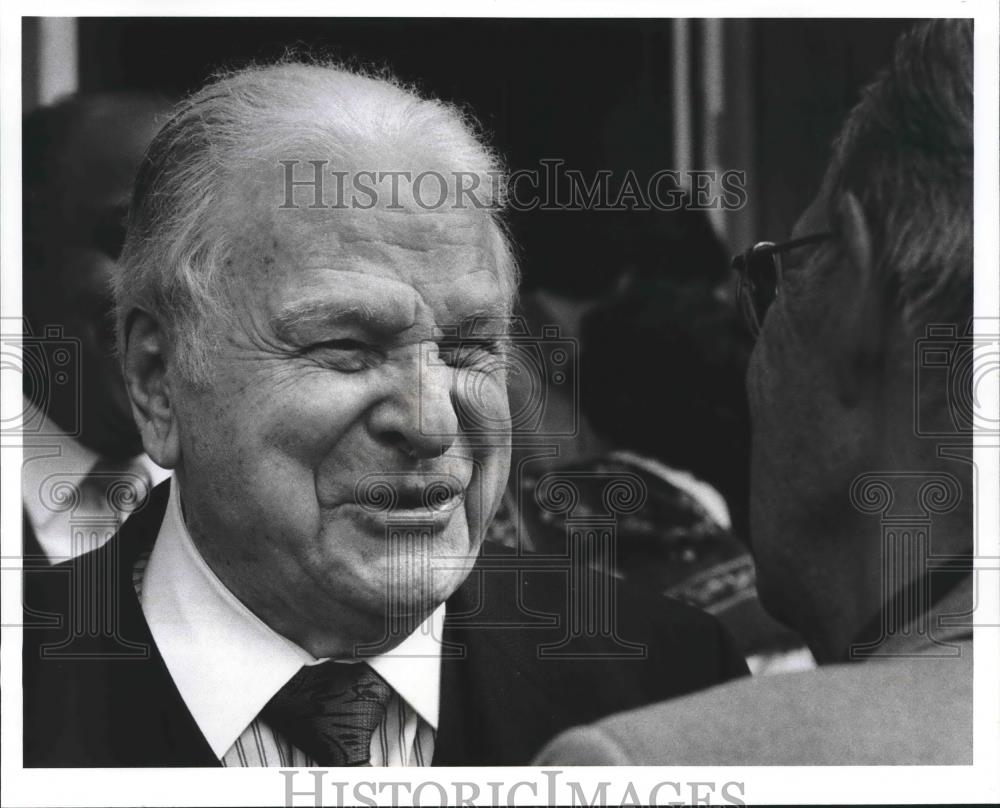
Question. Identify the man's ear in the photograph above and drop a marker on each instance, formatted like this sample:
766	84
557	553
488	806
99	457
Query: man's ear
149	387
863	344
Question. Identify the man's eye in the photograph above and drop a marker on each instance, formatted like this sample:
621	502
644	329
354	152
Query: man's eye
346	355
469	354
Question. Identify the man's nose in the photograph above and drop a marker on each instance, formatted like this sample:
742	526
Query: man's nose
419	418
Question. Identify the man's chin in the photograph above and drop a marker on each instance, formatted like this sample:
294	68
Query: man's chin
399	548
388	620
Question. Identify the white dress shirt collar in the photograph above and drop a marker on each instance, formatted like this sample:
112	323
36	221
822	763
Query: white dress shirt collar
49	450
227	663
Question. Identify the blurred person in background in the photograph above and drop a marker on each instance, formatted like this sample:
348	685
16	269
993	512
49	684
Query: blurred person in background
80	157
881	260
682	428
673	302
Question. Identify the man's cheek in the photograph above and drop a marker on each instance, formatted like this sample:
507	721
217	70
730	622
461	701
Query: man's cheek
306	427
758	384
493	468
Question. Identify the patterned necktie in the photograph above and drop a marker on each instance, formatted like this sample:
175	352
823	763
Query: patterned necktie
330	711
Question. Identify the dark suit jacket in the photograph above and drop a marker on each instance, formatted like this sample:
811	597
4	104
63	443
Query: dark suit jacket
107	699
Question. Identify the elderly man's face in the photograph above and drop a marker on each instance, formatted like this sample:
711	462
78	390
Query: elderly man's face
329	385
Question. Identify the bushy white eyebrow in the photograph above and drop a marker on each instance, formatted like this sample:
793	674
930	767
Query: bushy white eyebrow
324	312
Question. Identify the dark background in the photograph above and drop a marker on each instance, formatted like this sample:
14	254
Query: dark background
594	92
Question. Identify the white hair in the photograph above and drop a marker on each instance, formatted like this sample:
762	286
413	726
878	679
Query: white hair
174	263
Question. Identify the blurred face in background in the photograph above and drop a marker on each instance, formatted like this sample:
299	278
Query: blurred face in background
74	229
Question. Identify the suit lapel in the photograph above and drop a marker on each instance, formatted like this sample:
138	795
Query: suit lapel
127	710
177	733
494	704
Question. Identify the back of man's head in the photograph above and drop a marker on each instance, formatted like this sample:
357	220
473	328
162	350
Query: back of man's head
835	390
906	153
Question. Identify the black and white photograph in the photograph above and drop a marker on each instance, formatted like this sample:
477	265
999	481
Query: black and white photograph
511	404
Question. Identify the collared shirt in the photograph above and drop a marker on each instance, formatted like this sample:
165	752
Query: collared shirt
69	520
227	663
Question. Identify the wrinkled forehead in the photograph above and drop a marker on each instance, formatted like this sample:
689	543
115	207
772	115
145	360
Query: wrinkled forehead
394	267
362	232
412	246
384	217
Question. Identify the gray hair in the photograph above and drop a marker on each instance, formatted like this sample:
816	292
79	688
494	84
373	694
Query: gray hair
174	262
906	152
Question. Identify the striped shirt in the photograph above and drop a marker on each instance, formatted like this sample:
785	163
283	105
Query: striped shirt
58	472
402	739
199	627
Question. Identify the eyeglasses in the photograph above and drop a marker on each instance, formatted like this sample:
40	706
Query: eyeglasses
759	271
